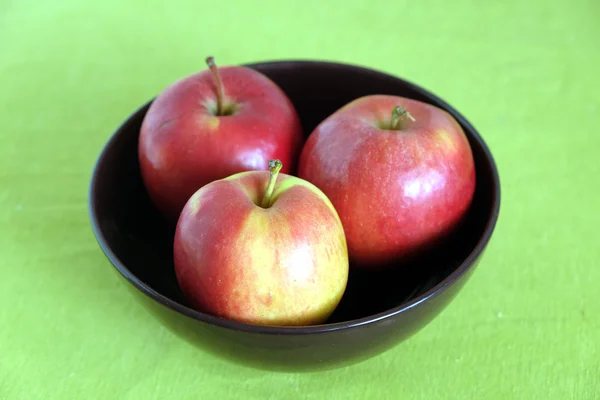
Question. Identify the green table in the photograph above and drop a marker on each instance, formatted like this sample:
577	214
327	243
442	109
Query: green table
525	73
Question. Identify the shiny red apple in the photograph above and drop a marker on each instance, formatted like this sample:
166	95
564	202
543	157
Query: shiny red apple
211	125
253	248
399	172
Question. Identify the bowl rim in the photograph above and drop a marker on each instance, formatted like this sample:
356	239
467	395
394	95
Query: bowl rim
434	291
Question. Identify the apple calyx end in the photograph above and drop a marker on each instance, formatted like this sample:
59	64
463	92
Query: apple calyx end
274	168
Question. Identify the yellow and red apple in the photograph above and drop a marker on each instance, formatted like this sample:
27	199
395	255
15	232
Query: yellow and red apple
262	247
399	172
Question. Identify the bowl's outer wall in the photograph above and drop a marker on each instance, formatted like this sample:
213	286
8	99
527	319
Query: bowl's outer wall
297	353
139	243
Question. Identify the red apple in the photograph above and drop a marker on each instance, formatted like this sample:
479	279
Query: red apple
211	125
399	172
254	249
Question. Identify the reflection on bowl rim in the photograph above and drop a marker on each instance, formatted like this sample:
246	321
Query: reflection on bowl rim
309	329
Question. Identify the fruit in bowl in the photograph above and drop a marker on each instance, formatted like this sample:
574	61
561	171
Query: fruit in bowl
379	308
400	173
210	125
257	249
399	183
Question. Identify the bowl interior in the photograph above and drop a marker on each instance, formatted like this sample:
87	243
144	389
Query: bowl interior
141	241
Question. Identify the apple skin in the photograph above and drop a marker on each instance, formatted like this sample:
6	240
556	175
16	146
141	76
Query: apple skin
183	145
397	192
284	265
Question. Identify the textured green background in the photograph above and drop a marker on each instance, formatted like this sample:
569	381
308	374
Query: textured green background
526	75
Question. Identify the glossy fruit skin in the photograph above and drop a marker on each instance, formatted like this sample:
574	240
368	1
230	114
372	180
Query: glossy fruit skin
282	265
397	192
183	145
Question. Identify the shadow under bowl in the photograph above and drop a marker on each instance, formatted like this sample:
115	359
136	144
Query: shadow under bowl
378	310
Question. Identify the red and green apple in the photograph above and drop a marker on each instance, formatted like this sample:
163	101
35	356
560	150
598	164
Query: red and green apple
262	247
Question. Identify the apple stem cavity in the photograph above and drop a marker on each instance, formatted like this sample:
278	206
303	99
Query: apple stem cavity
210	61
399	115
274	168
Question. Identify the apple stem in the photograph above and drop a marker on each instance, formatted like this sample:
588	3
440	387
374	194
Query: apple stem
399	114
274	168
210	61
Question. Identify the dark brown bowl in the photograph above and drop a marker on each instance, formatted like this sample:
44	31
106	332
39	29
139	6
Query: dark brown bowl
377	311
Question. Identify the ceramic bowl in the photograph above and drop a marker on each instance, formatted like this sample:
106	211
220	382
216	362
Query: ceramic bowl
378	310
